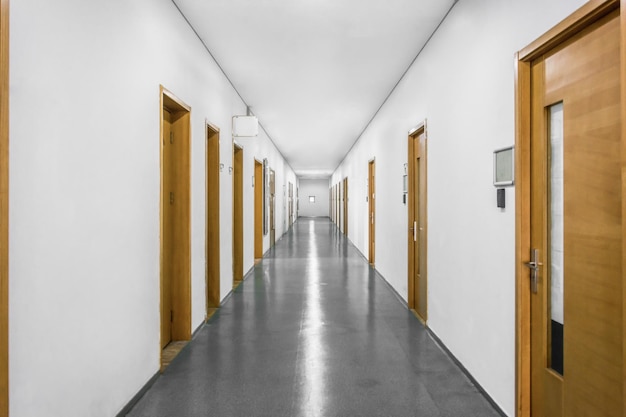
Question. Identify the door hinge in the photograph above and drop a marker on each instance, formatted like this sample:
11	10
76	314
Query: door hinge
172	316
171	197
171	137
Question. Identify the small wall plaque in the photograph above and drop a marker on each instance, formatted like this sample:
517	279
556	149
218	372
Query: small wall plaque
504	167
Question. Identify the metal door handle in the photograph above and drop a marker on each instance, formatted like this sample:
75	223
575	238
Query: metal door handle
533	265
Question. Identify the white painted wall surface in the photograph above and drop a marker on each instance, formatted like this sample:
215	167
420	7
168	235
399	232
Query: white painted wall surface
84	203
317	189
463	84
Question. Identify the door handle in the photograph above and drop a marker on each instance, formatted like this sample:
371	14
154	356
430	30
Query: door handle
533	265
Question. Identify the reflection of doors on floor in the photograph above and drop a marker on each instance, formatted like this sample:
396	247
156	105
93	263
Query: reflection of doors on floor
372	210
212	220
571	202
237	215
418	278
258	209
272	208
175	220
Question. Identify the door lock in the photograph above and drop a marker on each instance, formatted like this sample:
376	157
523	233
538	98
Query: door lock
534	265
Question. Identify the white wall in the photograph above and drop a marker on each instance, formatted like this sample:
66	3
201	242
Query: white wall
84	202
463	85
318	189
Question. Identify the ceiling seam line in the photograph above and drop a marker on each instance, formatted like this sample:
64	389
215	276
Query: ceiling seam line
230	82
395	86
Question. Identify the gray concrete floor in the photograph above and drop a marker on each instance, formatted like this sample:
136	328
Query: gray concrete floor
313	332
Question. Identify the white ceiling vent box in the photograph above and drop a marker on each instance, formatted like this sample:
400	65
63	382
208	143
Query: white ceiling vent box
245	126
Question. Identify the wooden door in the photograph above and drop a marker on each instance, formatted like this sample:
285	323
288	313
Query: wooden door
290	204
272	208
212	219
372	210
345	206
574	258
258	209
237	215
417	237
175	220
4	207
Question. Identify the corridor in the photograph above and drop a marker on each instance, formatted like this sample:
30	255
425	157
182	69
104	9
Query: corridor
313	331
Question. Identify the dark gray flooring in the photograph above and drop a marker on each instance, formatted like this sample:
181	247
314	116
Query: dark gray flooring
313	332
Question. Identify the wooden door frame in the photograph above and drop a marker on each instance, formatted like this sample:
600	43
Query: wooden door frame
272	210
258	209
212	218
345	206
412	136
183	316
4	207
237	216
582	18
371	181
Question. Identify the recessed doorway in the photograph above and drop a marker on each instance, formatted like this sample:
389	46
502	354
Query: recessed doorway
212	219
258	210
417	210
237	215
372	210
175	222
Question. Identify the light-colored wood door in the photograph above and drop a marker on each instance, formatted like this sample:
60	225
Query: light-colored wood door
576	226
258	209
4	207
418	221
345	206
212	219
237	214
272	208
372	211
175	220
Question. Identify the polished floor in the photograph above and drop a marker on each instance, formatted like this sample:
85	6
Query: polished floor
313	331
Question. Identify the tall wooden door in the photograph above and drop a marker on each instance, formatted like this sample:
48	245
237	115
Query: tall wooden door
417	237
212	219
175	220
4	207
345	206
237	215
272	208
290	204
575	254
258	209
372	210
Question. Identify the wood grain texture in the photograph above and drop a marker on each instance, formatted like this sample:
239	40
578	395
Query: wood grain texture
522	236
4	207
258	209
212	219
582	68
175	219
417	218
623	191
372	211
237	214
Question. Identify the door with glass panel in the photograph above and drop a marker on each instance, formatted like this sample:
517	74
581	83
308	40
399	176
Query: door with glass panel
575	259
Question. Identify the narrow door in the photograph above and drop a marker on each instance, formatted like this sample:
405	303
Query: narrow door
418	281
258	210
345	206
372	210
4	207
237	215
576	237
290	204
340	205
175	220
212	220
272	208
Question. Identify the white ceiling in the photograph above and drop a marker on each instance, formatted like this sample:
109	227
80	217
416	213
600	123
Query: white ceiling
314	71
